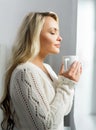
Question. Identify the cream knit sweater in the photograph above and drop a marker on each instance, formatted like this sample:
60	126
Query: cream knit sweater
37	102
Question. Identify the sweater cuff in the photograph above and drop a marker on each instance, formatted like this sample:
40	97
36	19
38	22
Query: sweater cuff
66	81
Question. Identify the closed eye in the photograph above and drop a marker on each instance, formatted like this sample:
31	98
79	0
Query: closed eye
53	33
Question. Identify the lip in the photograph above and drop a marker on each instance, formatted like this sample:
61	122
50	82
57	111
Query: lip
57	45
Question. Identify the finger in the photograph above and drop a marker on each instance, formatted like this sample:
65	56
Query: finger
80	68
74	71
77	72
73	66
77	68
61	69
70	72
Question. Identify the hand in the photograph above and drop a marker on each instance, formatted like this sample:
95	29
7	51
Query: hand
74	71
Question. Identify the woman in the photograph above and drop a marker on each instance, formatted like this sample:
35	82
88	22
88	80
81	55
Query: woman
35	97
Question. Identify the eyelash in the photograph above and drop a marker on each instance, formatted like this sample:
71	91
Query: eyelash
52	33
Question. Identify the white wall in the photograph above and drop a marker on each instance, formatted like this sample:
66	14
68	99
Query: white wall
3	57
13	11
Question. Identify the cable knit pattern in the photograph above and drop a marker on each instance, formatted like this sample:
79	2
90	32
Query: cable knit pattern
37	103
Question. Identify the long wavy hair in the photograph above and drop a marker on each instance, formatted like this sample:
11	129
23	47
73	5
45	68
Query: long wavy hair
27	45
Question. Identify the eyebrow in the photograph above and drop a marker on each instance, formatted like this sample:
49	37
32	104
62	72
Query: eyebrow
53	28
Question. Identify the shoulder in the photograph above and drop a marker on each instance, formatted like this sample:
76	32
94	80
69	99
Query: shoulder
24	69
26	66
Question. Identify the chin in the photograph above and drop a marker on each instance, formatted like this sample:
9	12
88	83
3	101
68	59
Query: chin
56	52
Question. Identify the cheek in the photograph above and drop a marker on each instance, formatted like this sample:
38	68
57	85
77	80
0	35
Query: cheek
46	41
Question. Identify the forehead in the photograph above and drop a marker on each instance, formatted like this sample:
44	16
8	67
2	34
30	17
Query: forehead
50	23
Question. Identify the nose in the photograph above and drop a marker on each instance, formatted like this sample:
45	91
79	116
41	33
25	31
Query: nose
59	38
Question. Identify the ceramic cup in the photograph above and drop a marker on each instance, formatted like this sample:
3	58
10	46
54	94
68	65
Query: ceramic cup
68	61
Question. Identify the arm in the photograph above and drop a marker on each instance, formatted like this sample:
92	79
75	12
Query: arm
32	105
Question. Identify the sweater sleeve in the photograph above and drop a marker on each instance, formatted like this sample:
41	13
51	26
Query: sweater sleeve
31	104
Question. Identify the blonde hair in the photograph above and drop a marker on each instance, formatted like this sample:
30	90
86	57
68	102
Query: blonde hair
27	45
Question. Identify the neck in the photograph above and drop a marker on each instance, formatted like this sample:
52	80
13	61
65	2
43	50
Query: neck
38	60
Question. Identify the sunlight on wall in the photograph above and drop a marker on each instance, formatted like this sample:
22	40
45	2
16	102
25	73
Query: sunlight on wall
85	51
85	31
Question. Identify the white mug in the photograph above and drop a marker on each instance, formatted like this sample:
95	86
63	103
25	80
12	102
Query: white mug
68	61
